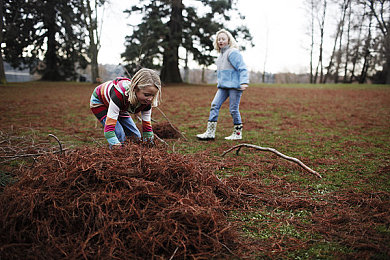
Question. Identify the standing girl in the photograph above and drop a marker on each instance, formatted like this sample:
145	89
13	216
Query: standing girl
113	101
233	79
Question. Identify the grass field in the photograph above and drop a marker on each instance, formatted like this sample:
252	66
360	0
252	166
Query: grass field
340	131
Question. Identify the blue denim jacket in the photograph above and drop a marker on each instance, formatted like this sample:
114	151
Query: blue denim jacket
231	69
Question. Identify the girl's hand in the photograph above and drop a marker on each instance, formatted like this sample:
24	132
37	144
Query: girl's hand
148	138
243	87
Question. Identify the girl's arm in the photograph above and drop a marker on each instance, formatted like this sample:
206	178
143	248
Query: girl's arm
112	117
235	58
147	131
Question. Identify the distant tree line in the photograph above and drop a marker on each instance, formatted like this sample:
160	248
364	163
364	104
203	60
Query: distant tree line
360	45
55	38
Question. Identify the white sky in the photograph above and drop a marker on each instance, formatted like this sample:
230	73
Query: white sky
277	26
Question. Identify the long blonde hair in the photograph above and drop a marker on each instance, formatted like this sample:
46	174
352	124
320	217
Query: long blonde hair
142	79
232	42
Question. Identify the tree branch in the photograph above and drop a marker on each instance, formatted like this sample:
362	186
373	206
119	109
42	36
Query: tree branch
267	149
58	141
160	139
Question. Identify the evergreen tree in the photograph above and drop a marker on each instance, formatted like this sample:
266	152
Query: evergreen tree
168	25
47	29
18	28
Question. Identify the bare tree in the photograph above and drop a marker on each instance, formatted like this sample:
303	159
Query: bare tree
338	38
339	52
321	21
360	48
366	52
347	54
312	8
355	57
91	23
266	54
383	22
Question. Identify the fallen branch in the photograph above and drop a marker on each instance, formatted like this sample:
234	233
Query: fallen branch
267	149
160	139
58	141
13	157
17	147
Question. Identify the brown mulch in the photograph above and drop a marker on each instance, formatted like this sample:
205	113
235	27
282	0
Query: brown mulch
165	130
135	202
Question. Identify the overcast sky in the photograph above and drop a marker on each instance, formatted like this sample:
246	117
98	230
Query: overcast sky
278	28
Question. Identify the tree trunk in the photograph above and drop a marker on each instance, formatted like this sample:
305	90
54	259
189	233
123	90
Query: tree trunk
386	66
3	80
51	72
348	42
203	75
367	54
312	42
170	72
186	69
93	47
330	65
320	58
386	69
338	37
266	55
356	55
384	27
339	52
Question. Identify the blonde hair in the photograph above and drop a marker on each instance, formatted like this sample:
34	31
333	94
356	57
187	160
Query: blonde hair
231	41
142	79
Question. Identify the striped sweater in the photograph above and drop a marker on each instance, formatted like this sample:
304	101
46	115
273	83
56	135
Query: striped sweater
109	100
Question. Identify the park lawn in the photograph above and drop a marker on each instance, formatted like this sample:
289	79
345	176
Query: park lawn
340	131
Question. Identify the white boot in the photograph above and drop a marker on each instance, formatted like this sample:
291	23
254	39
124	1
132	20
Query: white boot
210	132
237	133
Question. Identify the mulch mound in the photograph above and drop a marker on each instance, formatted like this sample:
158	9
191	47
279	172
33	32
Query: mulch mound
165	130
131	203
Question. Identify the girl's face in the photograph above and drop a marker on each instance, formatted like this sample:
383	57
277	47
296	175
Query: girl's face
222	40
146	95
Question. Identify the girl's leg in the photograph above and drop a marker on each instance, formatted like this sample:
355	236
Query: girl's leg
129	127
234	105
220	97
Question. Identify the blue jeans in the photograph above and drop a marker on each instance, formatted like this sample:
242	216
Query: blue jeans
125	126
222	94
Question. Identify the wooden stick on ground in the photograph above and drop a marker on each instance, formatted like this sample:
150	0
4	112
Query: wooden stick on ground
13	157
267	149
58	141
160	139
